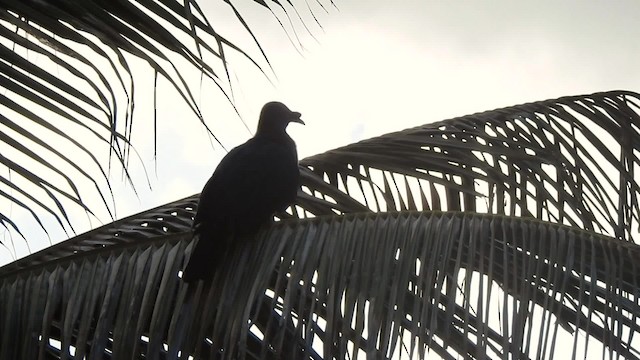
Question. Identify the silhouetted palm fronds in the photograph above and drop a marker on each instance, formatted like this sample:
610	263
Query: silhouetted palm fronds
68	75
570	161
509	233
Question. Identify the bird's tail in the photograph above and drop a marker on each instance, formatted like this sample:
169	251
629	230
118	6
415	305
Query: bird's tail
206	256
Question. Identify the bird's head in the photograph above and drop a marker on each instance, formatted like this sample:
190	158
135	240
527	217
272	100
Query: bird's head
275	116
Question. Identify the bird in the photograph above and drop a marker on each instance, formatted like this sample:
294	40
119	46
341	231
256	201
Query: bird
250	184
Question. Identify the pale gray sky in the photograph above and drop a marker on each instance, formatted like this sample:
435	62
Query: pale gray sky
376	67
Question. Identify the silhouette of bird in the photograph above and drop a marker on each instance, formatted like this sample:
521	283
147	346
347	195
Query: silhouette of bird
251	183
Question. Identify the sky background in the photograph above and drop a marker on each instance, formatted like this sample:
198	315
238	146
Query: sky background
372	68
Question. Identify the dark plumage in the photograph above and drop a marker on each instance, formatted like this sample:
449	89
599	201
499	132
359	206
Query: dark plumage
250	184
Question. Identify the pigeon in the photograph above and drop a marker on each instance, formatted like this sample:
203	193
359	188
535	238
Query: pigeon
251	183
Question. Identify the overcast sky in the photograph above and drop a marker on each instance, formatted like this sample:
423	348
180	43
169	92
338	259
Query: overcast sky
376	67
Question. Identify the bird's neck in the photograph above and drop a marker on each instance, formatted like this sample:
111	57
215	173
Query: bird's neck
273	134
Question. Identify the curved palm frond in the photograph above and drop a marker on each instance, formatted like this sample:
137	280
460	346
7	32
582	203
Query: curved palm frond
69	83
374	284
499	284
569	161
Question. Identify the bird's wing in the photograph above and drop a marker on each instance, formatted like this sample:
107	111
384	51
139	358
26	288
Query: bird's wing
251	183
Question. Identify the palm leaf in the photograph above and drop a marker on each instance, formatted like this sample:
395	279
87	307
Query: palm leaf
66	70
568	161
376	259
384	284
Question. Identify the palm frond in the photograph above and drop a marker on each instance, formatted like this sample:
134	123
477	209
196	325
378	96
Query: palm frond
569	161
381	285
526	273
67	70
